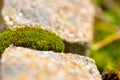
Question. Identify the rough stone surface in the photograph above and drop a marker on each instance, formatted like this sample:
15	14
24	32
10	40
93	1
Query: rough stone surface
71	19
3	26
19	63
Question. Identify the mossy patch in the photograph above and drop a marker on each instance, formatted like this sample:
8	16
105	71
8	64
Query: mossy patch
31	37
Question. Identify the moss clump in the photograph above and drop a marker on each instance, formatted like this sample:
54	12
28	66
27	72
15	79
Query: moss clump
31	37
111	75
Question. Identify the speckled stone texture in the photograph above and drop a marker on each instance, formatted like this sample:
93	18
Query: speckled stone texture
18	63
70	19
3	26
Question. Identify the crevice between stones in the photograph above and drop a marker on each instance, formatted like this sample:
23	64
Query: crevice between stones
77	48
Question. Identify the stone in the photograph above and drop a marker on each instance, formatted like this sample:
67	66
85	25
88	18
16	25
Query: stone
72	20
18	63
3	26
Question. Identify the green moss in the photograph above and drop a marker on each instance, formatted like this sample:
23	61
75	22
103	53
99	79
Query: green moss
35	38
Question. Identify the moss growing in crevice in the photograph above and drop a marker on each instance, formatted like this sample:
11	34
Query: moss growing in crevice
31	37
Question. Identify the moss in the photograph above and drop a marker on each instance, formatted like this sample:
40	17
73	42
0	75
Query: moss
31	37
111	75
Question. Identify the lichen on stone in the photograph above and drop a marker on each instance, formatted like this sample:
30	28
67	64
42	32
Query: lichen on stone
31	37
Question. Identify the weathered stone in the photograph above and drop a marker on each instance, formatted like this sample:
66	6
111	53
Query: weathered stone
3	26
19	63
70	19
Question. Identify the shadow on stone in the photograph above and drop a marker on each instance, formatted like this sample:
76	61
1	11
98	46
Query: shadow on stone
77	48
3	25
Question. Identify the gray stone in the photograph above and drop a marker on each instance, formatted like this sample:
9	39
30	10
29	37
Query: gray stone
3	26
18	63
72	20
